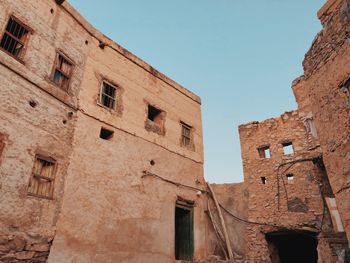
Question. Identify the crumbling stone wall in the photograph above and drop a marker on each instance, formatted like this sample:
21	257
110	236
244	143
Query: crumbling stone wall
276	202
326	67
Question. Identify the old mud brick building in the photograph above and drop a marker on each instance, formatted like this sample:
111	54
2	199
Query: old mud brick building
101	156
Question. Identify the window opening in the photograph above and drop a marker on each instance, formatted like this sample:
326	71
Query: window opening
311	127
14	38
264	152
186	134
290	178
155	115
184	245
62	71
41	183
108	95
288	148
263	180
106	134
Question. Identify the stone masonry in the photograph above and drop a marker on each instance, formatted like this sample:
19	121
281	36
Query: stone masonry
101	155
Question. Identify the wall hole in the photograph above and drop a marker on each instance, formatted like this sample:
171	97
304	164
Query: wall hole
33	103
106	134
288	148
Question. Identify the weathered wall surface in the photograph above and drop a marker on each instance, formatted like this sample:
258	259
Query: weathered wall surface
27	224
326	67
234	198
277	203
111	213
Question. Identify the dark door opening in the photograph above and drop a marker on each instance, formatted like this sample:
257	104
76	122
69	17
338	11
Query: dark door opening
184	231
291	247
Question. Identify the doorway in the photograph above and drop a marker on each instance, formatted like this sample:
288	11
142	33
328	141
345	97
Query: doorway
292	246
184	230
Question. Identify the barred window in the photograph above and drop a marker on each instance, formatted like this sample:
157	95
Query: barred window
108	95
62	71
41	183
14	38
186	134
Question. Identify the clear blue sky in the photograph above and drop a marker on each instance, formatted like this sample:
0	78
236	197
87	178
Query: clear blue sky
239	56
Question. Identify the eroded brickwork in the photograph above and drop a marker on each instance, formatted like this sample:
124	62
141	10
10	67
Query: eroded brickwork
327	69
284	185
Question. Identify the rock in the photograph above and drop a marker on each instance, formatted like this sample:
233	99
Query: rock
25	255
17	244
40	247
39	260
3	240
5	248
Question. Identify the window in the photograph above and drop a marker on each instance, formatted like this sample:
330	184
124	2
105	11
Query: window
311	127
184	241
263	180
264	152
108	95
42	180
155	120
186	134
155	115
288	148
62	71
106	134
14	38
290	178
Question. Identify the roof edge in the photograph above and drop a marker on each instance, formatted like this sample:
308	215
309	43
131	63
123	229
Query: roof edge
124	52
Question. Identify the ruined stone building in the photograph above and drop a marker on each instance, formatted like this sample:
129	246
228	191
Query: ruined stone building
296	190
101	156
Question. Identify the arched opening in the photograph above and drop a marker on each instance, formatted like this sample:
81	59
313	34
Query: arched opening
292	246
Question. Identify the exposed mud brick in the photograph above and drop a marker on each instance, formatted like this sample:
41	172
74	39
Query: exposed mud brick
25	255
297	205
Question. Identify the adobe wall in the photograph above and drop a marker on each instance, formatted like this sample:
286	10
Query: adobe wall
326	67
234	199
27	223
112	212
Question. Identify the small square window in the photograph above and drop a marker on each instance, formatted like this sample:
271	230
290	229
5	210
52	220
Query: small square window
155	120
14	38
263	180
43	176
186	134
106	134
290	178
108	95
155	115
264	152
288	148
62	71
